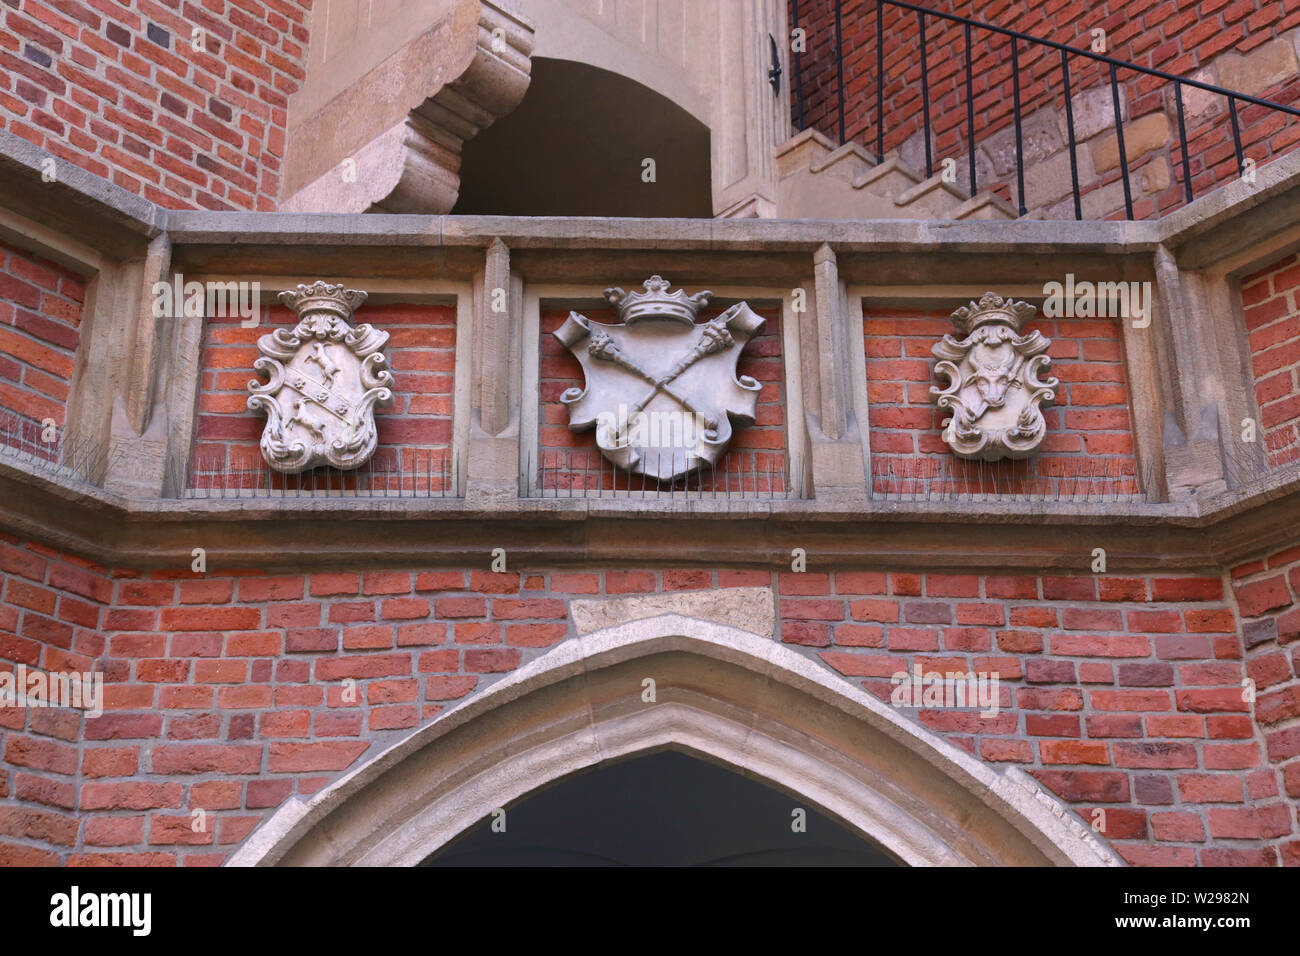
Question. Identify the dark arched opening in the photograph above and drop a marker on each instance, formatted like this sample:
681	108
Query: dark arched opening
659	809
576	146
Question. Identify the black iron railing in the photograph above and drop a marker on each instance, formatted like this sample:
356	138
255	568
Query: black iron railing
413	473
883	123
1073	479
740	474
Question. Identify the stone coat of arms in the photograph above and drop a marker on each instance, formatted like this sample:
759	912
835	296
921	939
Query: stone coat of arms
993	388
326	377
661	388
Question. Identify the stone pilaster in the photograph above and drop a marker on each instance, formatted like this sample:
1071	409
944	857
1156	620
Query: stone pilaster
835	443
492	459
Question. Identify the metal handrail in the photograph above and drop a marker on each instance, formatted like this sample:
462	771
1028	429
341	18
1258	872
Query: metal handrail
1149	71
1016	37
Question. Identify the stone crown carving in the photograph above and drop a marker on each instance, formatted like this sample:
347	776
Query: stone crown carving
656	301
991	308
325	378
323	298
992	384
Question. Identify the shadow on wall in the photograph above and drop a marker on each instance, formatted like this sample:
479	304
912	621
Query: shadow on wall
577	146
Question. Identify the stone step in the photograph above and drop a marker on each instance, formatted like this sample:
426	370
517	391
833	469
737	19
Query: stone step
819	180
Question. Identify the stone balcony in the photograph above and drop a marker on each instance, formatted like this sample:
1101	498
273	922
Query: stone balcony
1193	495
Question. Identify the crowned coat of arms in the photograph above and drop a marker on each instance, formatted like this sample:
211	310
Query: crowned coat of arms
326	377
661	388
993	388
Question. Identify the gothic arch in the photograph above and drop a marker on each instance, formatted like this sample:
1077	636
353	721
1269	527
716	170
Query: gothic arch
723	694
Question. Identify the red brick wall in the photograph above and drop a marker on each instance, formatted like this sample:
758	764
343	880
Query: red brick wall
40	320
49	619
1089	444
117	89
225	692
1176	36
756	459
1273	328
413	432
1268	596
1121	693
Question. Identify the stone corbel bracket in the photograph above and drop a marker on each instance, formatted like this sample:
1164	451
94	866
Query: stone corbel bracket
481	71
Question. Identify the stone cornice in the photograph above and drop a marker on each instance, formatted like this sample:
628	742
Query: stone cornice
116	221
548	532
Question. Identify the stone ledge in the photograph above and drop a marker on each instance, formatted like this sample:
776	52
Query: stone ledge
444	532
80	198
80	204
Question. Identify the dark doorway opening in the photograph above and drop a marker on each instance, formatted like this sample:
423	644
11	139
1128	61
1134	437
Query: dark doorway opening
576	146
660	809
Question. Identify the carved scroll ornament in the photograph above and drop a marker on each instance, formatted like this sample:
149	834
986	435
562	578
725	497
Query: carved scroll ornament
992	385
326	377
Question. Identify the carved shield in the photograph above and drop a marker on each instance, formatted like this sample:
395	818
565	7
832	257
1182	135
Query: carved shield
661	390
326	377
993	387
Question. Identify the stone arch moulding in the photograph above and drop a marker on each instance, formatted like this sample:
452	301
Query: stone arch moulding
727	695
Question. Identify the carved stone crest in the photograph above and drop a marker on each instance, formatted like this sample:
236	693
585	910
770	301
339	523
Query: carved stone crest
992	386
326	377
661	389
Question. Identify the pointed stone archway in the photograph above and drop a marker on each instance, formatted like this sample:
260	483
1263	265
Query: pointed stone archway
720	693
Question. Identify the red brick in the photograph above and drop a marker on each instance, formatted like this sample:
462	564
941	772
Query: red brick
460	607
210	618
325	585
1177	827
1231	756
202	758
874	610
1160	755
629	582
1258	597
1001	750
285	757
795	609
491	661
114	831
1094	786
1072	752
1186	589
40	755
805	583
1250	823
576	583
440	581
528	608
859	635
386	582
449	688
1020	642
1015	588
860	582
308	639
536	634
360	666
1069	589
1117	645
485	582
267	793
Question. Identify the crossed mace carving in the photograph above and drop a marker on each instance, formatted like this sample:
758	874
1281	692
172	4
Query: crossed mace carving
715	337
